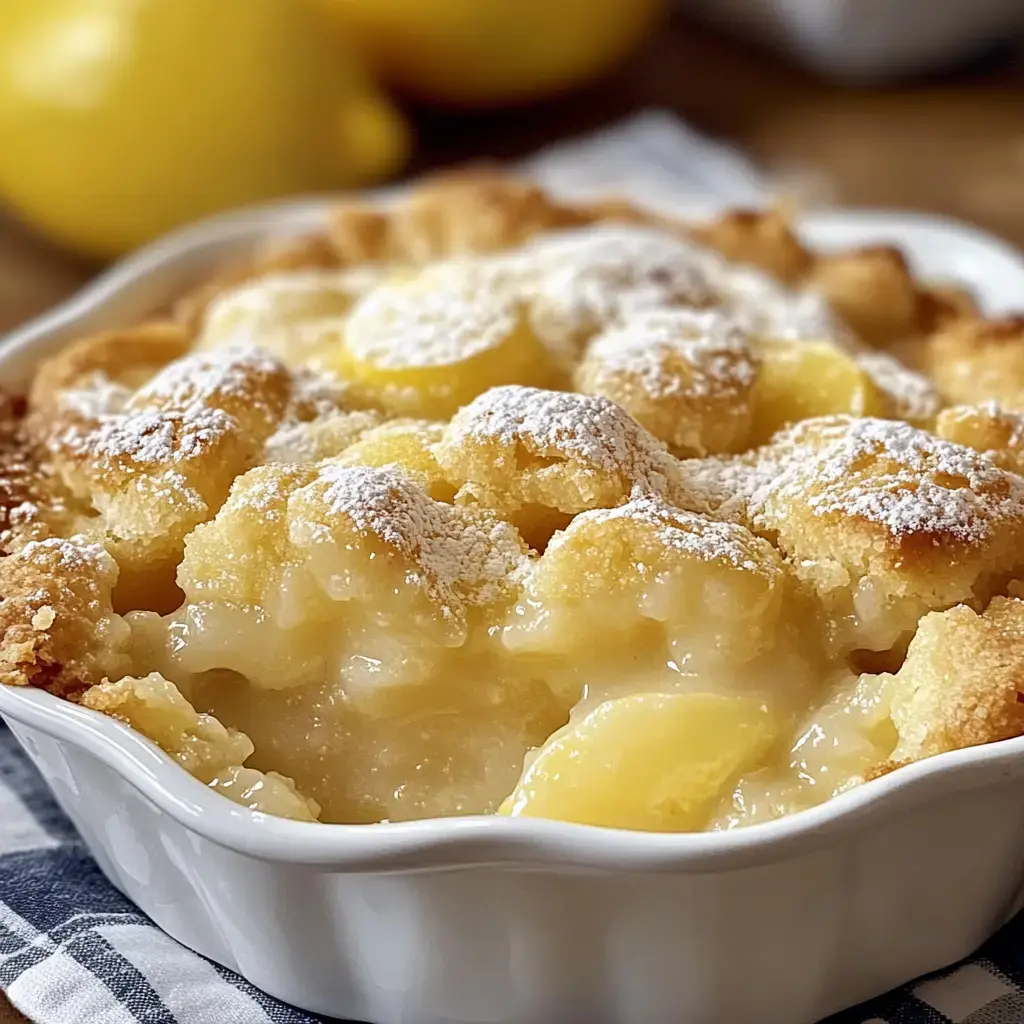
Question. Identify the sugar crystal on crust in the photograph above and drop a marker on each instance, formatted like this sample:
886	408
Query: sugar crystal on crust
241	380
962	683
155	470
707	340
887	522
684	533
889	473
462	556
57	628
685	375
581	281
565	450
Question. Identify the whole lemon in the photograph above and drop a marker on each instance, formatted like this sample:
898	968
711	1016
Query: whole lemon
477	52
120	119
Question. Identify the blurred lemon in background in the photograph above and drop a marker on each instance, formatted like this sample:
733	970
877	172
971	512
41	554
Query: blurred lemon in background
478	52
120	119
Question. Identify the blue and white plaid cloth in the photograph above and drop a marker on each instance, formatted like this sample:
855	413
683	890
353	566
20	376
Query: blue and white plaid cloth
74	950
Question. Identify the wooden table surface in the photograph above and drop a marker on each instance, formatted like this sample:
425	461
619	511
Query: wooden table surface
954	145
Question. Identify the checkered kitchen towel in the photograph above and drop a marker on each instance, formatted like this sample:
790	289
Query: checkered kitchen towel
73	950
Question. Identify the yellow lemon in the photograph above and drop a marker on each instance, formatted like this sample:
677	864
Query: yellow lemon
121	119
476	52
653	762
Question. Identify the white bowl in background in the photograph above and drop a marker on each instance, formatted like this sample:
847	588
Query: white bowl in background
522	921
869	41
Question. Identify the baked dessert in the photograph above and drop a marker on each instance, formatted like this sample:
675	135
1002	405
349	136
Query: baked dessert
487	503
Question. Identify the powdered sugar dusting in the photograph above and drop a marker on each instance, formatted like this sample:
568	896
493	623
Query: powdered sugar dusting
896	476
582	280
726	485
177	416
314	394
715	350
463	557
588	429
912	395
153	438
73	556
94	396
312	440
446	316
766	309
687	533
197	382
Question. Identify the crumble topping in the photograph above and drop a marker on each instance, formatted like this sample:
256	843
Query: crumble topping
714	345
157	438
464	557
405	608
553	424
203	379
896	476
581	280
681	531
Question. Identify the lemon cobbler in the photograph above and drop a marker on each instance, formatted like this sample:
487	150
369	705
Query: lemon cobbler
483	503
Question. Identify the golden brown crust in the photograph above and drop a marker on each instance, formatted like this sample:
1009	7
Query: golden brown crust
516	447
962	683
687	377
614	208
887	522
872	289
942	306
57	628
156	708
127	356
974	361
762	238
32	502
986	428
470	211
152	471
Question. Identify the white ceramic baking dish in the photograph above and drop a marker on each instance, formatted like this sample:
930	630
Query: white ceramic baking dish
527	921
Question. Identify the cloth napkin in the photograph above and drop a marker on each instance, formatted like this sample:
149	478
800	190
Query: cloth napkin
73	950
